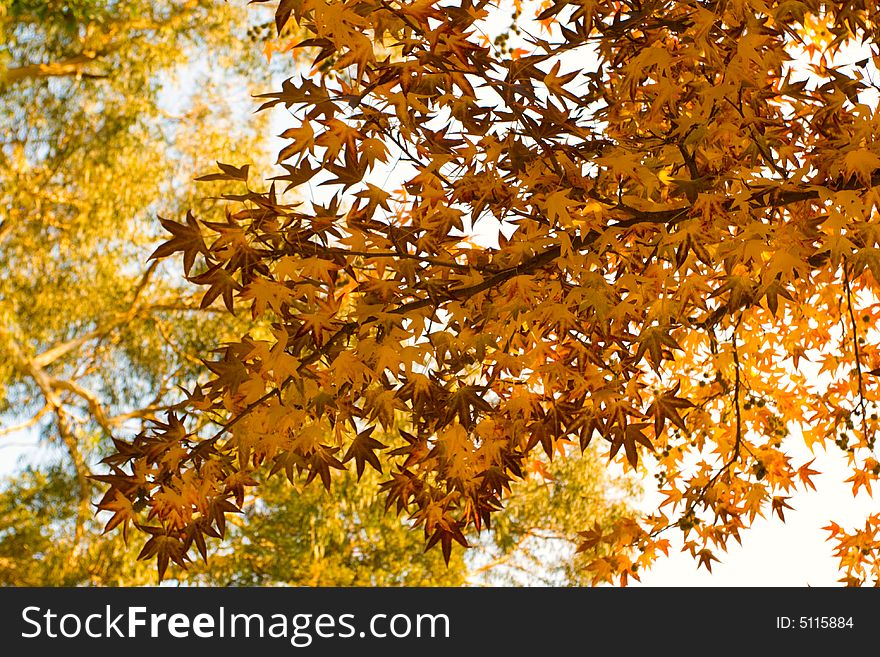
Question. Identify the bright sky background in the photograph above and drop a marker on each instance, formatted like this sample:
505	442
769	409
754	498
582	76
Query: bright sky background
794	553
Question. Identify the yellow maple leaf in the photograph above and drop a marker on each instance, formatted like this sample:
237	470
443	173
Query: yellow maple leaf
862	163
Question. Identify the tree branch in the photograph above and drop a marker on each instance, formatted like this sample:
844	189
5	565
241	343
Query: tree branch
48	387
5	431
51	355
856	353
72	66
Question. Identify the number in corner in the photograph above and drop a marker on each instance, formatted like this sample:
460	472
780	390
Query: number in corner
826	622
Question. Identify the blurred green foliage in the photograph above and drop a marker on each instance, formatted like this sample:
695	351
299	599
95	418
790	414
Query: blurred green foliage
110	109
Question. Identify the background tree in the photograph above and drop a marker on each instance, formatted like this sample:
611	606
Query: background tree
111	109
92	341
345	537
685	266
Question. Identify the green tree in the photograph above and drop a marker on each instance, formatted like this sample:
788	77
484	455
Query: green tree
106	133
309	536
93	342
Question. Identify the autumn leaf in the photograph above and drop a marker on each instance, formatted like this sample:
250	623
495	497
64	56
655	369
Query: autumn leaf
220	284
164	548
123	513
666	406
555	83
806	473
656	342
706	558
363	450
228	172
319	463
303	139
628	437
187	238
778	504
373	150
862	163
297	176
557	205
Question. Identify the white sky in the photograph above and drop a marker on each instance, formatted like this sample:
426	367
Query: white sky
773	553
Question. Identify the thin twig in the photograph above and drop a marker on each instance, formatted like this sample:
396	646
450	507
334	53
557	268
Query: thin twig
856	352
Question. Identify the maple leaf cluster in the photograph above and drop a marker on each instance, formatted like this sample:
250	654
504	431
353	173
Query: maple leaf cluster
685	272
